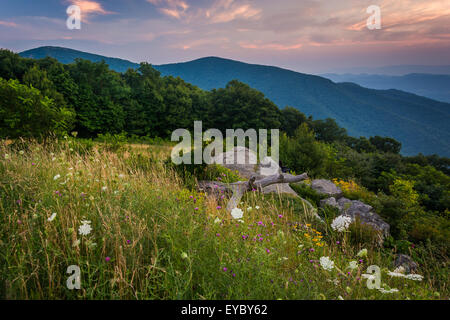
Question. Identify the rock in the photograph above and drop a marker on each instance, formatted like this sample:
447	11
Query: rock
249	167
329	201
405	261
357	209
244	161
326	187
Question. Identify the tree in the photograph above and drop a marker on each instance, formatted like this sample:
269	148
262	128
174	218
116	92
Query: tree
291	119
328	130
25	112
302	153
386	144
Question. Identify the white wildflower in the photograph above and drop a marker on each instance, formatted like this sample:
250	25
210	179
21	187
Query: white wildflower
414	277
104	188
257	207
217	220
396	274
382	290
341	223
237	213
21	152
85	228
340	298
362	253
57	177
52	217
326	263
353	265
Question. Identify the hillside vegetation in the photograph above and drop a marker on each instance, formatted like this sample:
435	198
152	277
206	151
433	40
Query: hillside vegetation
137	232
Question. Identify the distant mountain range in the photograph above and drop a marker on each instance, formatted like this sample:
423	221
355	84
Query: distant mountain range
421	124
434	86
398	70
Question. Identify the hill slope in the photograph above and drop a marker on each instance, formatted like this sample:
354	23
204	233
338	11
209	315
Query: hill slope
65	55
433	86
421	124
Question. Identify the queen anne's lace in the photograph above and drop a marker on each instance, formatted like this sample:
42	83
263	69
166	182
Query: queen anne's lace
341	223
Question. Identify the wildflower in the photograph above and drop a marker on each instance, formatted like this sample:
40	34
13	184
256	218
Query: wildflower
267	250
362	253
257	207
225	269
340	298
219	207
21	152
128	241
6	156
353	265
107	259
396	274
382	290
196	208
52	217
326	263
184	255
85	228
237	213
414	277
280	216
217	220
341	223
104	188
57	177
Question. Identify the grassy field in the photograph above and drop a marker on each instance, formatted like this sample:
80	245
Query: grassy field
144	235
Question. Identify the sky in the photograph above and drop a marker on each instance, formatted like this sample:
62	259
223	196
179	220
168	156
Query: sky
302	35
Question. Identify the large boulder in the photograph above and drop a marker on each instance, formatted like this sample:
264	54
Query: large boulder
357	209
326	187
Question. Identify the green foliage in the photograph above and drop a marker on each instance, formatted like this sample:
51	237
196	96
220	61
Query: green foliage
302	153
306	192
25	112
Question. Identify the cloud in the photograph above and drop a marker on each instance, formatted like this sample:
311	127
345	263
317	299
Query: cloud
89	8
172	8
228	10
8	24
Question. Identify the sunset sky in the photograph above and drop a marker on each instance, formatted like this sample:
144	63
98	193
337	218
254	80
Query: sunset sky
309	36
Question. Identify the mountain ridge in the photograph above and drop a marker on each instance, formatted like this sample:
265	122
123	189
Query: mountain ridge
419	123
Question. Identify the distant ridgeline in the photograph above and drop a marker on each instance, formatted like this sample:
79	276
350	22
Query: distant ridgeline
420	124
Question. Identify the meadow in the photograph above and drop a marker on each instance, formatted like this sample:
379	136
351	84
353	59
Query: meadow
138	232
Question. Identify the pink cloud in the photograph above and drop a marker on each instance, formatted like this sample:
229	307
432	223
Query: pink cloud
8	24
89	7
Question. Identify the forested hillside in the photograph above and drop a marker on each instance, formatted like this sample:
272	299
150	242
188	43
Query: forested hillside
419	123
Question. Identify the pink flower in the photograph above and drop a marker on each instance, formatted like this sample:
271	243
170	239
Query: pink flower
219	207
107	259
225	269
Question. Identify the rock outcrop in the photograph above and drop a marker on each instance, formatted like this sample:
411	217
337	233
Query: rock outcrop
326	187
356	209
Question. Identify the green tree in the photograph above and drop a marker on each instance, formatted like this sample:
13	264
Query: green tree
25	112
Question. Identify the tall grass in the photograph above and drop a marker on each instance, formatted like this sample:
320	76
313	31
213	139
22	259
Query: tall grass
154	239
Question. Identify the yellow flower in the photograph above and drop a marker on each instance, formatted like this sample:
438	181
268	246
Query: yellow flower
307	235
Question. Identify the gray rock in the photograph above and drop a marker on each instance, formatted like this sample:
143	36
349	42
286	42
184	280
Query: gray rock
329	201
357	209
326	187
406	262
244	161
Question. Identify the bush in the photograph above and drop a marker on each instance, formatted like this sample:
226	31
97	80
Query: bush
25	112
